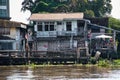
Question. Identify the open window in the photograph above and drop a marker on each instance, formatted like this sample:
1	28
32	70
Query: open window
68	26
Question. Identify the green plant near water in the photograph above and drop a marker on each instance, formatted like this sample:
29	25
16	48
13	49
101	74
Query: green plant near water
103	63
32	65
116	62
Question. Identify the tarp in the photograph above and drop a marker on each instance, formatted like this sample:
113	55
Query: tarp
103	36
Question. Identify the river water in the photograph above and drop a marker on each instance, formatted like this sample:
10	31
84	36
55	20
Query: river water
68	72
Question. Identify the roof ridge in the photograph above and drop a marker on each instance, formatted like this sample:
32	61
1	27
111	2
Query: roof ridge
61	13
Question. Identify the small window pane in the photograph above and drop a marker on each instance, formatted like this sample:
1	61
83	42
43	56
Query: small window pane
39	27
5	31
59	23
3	2
51	27
46	28
68	26
40	23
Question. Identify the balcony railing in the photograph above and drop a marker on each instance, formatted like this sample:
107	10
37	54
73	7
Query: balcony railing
47	34
56	33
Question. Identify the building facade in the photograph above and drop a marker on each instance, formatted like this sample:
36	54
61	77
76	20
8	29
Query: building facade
68	32
60	32
11	35
4	9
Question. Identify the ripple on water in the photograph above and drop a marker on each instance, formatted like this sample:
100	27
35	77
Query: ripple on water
60	73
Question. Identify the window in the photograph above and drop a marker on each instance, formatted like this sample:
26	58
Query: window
3	12
5	31
59	23
39	27
3	2
49	26
6	46
46	27
68	26
40	23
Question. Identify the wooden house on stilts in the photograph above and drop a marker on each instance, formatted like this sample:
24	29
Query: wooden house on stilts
55	38
68	35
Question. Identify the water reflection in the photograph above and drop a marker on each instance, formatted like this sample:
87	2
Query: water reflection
21	75
59	73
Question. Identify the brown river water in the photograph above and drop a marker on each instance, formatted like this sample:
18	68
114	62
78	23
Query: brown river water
68	72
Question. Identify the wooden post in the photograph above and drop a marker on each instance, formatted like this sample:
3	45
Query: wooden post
78	54
71	41
85	37
114	40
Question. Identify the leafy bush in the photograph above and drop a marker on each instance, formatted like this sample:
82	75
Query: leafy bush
116	62
103	63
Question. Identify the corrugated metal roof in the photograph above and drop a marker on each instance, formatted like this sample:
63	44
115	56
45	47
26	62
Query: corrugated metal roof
8	23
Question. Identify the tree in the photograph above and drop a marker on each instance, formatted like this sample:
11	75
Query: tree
97	8
62	8
41	6
101	7
115	24
89	13
27	5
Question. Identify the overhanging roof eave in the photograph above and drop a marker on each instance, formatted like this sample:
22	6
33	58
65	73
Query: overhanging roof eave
104	27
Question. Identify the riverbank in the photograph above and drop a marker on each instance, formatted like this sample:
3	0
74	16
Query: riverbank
38	62
101	63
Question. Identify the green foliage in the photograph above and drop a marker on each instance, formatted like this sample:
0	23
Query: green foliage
92	8
61	8
103	63
116	62
89	13
114	23
41	6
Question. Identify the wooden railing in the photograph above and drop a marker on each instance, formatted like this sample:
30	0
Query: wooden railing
56	33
